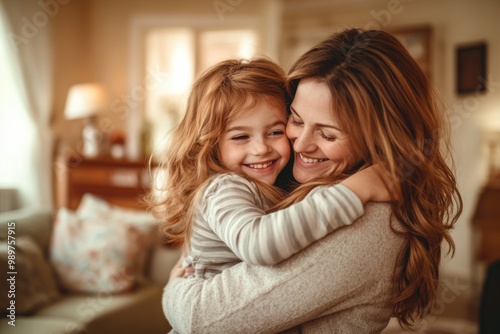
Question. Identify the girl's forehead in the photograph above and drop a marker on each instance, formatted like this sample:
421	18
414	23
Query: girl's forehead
260	113
251	102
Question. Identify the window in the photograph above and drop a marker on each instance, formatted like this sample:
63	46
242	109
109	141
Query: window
179	54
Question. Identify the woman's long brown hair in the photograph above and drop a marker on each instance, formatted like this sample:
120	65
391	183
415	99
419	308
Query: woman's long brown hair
384	102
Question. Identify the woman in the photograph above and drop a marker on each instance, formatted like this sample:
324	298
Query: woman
358	98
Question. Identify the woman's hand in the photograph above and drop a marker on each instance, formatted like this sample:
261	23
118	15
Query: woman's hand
372	183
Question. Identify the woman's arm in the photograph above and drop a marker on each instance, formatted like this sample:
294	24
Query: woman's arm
264	239
347	274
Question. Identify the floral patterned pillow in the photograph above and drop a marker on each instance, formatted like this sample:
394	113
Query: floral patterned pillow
101	248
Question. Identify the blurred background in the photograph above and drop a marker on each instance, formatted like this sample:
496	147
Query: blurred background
142	56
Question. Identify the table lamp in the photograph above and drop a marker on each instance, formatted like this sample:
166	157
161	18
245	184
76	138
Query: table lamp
86	101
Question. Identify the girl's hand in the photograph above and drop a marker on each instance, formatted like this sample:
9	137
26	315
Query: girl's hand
372	184
188	271
177	271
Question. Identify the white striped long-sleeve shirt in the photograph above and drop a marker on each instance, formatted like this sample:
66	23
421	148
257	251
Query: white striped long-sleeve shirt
230	224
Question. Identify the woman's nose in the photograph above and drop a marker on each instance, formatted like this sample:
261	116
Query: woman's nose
303	142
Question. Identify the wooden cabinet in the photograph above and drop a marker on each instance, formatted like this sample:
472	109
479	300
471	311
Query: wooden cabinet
118	181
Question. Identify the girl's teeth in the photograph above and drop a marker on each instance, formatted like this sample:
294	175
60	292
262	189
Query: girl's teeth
310	160
260	166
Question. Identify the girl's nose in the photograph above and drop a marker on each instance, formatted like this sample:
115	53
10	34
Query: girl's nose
261	147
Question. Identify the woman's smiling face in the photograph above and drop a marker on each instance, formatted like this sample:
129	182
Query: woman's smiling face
321	147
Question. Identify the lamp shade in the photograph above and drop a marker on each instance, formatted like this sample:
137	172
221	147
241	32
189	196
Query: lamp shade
85	100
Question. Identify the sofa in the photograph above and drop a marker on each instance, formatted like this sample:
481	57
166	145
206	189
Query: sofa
36	300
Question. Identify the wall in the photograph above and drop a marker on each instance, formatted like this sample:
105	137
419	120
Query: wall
71	65
94	38
454	22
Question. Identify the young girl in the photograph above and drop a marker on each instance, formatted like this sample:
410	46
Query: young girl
223	160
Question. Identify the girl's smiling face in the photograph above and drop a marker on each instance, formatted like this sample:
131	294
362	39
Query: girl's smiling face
321	147
256	144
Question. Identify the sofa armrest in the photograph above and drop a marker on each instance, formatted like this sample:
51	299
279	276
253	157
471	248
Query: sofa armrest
162	261
28	221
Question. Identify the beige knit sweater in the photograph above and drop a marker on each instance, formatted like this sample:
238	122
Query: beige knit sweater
340	284
231	225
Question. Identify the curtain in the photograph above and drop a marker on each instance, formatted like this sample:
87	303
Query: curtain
25	101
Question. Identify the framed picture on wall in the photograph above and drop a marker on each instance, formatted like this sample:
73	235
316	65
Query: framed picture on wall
471	68
417	40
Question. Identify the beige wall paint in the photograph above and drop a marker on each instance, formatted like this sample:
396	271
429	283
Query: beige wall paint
71	66
92	38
